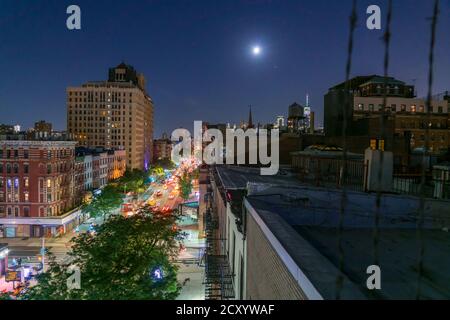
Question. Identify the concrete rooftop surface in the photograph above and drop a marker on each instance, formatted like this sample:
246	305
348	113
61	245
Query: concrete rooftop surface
306	222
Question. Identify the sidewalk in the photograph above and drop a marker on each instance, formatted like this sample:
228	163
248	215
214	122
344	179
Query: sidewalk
61	241
190	273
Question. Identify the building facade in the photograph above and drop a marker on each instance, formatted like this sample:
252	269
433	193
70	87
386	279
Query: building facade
406	116
114	114
36	185
162	148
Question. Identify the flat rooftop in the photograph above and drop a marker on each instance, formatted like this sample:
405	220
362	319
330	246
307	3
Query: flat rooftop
235	177
305	220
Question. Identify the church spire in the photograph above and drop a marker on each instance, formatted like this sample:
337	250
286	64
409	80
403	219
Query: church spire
250	119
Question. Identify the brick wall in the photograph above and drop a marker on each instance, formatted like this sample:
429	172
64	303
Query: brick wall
267	276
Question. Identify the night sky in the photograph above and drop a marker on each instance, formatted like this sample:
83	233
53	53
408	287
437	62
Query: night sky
196	55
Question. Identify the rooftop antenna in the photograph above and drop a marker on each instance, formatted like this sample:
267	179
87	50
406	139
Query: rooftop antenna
307	100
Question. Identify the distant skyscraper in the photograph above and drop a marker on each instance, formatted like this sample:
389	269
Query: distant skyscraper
115	114
307	114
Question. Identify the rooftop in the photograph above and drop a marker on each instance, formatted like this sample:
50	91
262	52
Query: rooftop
235	177
305	221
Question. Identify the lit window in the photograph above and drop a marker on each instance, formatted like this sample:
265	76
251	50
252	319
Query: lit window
413	108
49	183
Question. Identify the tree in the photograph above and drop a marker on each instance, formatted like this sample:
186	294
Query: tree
133	181
185	185
5	296
104	203
127	258
52	284
158	172
165	164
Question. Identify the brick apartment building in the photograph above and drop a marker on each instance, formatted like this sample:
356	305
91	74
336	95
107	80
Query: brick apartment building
36	187
44	181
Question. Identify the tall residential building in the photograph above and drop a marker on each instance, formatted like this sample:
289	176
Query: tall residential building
115	114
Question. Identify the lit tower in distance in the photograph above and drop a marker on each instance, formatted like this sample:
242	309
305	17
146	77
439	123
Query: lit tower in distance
307	114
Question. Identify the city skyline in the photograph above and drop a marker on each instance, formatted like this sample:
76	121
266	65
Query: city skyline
203	64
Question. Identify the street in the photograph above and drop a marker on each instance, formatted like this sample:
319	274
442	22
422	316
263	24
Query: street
159	195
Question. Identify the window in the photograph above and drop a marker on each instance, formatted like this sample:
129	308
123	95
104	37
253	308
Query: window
394	108
26	182
16	211
49	183
1	168
361	107
26	197
413	108
26	212
403	107
25	154
49	169
431	109
371	108
440	109
8	168
26	168
421	108
16	168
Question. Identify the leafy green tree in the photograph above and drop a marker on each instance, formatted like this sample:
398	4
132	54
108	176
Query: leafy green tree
158	172
5	296
120	262
133	181
52	284
110	199
186	186
165	164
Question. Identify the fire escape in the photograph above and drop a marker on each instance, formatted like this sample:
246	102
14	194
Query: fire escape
218	276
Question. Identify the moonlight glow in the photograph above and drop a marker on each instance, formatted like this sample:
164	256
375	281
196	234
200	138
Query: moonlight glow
256	50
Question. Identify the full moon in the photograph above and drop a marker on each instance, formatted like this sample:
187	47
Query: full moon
256	50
